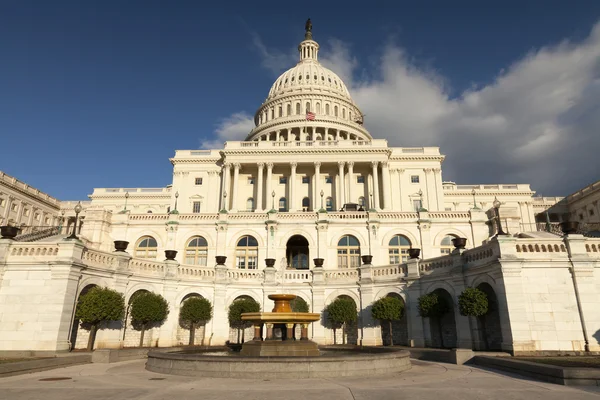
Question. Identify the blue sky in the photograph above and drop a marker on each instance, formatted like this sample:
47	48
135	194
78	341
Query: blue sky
101	93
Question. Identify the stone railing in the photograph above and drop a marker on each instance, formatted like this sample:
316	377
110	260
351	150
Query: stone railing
297	276
388	272
449	215
195	272
304	216
593	246
18	250
397	215
435	263
245	275
98	259
147	267
347	215
540	248
349	275
198	217
479	254
148	217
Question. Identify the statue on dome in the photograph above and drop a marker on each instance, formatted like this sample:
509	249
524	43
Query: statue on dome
308	29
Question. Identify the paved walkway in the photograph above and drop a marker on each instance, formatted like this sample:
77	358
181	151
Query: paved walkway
129	380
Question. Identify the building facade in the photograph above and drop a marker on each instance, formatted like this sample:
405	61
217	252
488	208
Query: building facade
310	182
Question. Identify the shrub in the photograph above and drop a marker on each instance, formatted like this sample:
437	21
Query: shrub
340	312
148	308
99	305
388	309
195	310
237	308
473	302
299	305
434	306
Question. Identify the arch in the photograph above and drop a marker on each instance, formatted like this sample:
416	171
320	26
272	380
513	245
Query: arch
489	327
349	333
446	245
289	110
389	235
79	339
196	251
148	287
398	247
307	107
185	294
244	293
326	108
399	327
286	237
329	203
306	203
246	253
282	204
443	329
199	233
246	232
448	231
348	252
352	232
146	247
250	204
298	109
297	252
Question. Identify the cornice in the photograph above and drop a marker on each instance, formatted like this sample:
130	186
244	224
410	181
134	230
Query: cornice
439	158
483	192
286	151
30	196
121	197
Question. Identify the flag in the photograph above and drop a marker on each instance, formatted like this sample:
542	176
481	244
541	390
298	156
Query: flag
310	116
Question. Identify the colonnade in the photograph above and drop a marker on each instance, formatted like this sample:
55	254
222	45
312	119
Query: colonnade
345	184
22	208
308	133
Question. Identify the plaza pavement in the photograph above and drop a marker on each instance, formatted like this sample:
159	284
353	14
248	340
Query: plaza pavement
425	381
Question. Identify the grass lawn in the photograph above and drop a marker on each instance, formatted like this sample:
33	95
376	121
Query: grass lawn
566	361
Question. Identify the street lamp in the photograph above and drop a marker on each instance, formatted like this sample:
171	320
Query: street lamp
474	202
322	194
273	201
421	208
497	204
125	208
371	205
77	211
224	208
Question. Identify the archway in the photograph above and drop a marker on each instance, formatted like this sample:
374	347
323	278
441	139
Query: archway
443	329
297	253
399	327
489	328
351	329
79	338
239	334
131	335
183	327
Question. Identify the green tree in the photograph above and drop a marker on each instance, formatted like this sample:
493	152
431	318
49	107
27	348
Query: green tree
195	310
299	305
340	312
99	305
474	302
148	308
434	306
239	307
388	309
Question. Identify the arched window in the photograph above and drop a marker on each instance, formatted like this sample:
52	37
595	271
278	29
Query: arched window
361	201
343	113
196	251
306	203
283	204
318	108
280	111
146	247
250	204
327	109
335	111
297	108
329	204
446	245
246	253
398	250
289	109
350	115
272	113
348	251
307	107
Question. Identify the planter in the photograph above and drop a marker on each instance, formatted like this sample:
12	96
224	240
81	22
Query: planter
221	260
318	262
170	254
414	253
568	227
459	242
270	262
121	245
9	232
366	259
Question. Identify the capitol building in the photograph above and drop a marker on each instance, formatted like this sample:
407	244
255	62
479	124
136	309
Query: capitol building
294	207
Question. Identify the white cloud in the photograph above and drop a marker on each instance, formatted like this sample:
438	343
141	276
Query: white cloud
537	122
234	127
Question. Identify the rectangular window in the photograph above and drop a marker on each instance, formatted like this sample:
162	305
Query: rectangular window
305	179
591	211
360	179
328	179
196	208
14	207
414	179
26	213
417	205
282	180
198	181
1	202
250	180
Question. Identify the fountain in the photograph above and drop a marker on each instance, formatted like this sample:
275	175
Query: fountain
282	317
280	355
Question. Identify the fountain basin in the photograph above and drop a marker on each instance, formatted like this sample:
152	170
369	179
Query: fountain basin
351	362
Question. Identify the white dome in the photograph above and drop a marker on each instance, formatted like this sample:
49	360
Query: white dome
308	74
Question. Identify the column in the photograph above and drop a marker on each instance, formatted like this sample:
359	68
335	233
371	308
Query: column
19	213
400	173
427	191
292	199
225	190
234	189
375	175
385	176
9	201
268	191
340	194
350	181
277	135
437	180
317	185
337	134
31	214
259	187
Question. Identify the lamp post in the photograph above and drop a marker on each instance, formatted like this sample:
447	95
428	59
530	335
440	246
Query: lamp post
322	194
371	204
224	209
474	202
176	196
273	201
497	208
421	208
77	211
125	208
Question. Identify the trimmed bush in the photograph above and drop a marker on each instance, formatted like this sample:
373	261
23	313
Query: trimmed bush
388	309
237	308
148	308
194	311
340	312
473	302
299	305
434	306
99	305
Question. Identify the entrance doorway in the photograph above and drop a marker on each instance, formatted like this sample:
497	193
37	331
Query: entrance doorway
297	252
